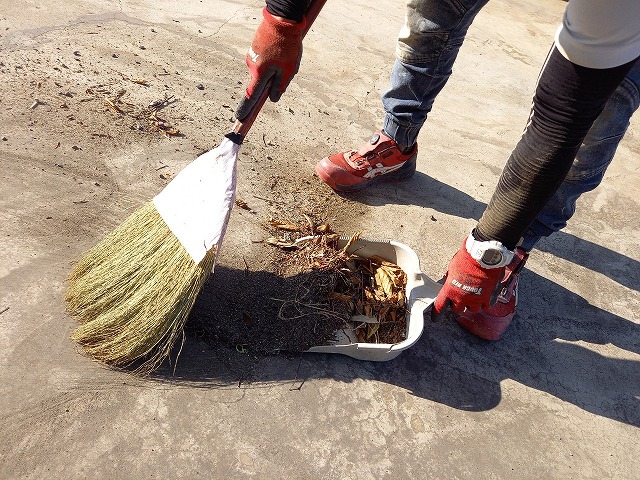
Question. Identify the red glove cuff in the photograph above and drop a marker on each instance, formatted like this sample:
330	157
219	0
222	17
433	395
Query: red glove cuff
283	27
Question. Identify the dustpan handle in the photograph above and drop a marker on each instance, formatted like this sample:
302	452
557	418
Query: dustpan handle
241	128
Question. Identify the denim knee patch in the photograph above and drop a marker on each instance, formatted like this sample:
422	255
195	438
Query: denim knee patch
432	27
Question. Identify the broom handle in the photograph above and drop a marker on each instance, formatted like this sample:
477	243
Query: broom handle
242	127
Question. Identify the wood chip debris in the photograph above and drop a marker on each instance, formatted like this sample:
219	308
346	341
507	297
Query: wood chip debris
243	205
280	242
283	225
145	118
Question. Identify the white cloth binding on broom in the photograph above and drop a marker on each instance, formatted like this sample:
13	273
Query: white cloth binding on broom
197	203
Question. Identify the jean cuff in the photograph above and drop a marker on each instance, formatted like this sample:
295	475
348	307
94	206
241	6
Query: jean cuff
404	135
529	241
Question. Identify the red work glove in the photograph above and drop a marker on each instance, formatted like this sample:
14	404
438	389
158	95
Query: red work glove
274	55
467	284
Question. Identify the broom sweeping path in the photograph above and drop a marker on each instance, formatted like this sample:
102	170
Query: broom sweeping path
101	103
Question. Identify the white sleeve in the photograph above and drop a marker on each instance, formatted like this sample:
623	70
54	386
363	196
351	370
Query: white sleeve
600	33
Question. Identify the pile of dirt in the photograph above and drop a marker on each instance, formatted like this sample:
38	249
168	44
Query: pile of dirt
314	290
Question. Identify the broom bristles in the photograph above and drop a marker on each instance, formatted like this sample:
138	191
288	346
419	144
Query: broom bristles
133	292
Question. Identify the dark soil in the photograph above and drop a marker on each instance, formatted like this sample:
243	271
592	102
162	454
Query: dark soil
283	307
264	313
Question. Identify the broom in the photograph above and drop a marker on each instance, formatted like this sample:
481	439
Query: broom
133	291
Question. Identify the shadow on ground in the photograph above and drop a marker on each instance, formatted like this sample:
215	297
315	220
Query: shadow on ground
425	191
552	352
552	346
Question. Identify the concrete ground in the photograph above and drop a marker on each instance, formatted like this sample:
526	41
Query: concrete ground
557	397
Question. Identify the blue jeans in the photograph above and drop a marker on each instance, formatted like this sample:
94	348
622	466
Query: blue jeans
427	47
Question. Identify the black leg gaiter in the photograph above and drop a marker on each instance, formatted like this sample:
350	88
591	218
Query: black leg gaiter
567	100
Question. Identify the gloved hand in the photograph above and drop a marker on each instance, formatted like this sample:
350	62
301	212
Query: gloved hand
467	284
274	55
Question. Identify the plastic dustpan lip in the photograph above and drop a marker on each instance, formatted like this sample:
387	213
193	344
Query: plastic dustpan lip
420	291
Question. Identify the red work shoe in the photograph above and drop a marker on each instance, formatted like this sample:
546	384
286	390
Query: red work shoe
491	323
379	160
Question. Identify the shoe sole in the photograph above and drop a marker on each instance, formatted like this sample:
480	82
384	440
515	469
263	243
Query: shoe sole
403	173
485	326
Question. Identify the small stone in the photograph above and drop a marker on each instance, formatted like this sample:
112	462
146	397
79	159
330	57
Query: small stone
4	139
114	55
200	86
142	47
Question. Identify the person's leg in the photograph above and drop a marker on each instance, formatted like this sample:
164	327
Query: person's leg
427	48
592	160
594	156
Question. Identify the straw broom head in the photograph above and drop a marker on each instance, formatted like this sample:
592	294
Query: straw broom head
133	291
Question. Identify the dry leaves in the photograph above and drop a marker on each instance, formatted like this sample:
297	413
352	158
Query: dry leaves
377	289
371	288
158	124
291	232
280	242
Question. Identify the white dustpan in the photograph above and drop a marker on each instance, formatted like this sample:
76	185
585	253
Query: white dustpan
421	292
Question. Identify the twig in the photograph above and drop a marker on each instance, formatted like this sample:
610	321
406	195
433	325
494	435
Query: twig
319	310
299	387
4	310
246	266
311	225
114	106
163	102
269	200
